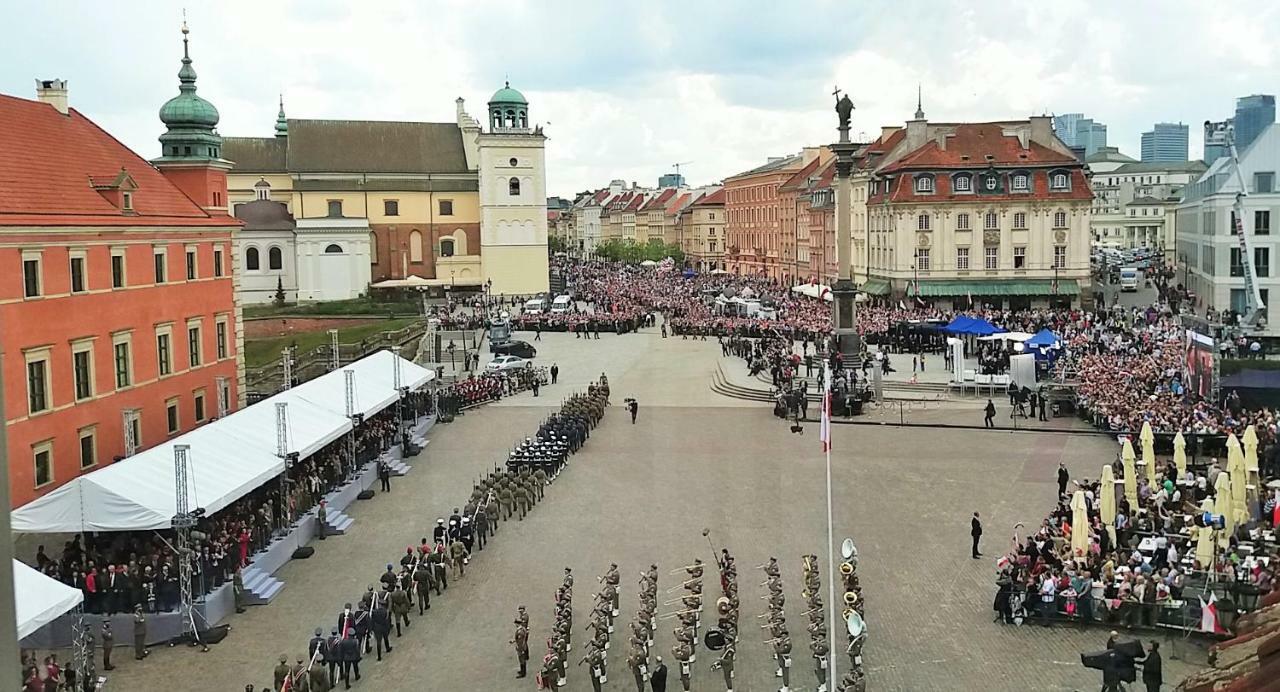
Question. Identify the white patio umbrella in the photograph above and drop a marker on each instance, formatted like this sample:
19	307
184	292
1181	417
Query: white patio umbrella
1079	526
1180	455
1222	505
1130	474
1107	502
1235	467
1148	439
1204	547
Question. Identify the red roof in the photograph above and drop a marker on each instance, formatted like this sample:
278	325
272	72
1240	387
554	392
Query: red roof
713	199
972	143
660	199
635	203
903	189
825	176
678	203
798	180
50	161
884	145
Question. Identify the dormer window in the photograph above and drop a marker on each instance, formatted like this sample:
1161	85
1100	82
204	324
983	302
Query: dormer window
1059	181
962	182
127	201
1021	182
924	184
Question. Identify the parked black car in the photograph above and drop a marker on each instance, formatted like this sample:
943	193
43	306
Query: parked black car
522	349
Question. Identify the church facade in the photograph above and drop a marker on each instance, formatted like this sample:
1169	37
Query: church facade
402	199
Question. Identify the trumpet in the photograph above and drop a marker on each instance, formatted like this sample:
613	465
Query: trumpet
808	566
678	613
770	580
678	569
683	584
677	600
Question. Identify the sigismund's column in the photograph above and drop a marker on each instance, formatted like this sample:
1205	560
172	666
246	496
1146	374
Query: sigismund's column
844	293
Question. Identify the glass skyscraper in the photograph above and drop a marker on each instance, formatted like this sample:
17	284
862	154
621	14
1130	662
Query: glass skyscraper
1165	142
1253	115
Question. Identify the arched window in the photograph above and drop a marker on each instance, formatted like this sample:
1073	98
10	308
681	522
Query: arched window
415	246
251	259
524	119
963	182
1060	181
275	259
334	249
924	184
446	247
511	119
513	187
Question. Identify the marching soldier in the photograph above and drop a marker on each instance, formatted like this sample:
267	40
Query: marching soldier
612	579
440	570
480	528
637	660
422	585
350	650
548	676
508	500
333	658
457	557
682	652
522	617
540	477
140	650
725	663
595	661
318	642
782	652
400	605
380	622
820	651
771	568
492	512
521	640
281	672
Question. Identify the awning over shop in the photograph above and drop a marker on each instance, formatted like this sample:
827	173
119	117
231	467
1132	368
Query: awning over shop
875	287
228	457
998	287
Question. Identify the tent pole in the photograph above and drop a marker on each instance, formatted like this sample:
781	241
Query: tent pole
10	659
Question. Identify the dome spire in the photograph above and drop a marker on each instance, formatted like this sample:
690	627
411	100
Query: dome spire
919	103
282	123
189	119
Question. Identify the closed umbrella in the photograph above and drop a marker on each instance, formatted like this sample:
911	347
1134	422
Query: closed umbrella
1222	505
1079	526
1180	455
1148	452
1204	547
1130	477
1235	466
1107	502
1251	462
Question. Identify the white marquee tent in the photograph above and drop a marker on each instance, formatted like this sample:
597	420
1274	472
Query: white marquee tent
39	600
228	457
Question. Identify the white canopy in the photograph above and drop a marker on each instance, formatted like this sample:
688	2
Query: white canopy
1007	336
39	600
227	458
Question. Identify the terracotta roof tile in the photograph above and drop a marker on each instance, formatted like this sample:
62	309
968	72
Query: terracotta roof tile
972	143
713	199
659	199
51	159
798	181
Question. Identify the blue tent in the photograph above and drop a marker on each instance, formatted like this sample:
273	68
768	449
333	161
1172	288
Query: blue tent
1043	339
959	325
981	327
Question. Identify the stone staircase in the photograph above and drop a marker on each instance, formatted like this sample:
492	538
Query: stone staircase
761	388
260	588
337	523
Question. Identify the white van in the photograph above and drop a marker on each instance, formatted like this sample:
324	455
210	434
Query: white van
534	307
561	304
1129	277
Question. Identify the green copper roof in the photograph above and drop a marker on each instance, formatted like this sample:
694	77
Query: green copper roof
282	123
507	95
187	110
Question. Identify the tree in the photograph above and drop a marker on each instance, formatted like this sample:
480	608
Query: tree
556	244
279	297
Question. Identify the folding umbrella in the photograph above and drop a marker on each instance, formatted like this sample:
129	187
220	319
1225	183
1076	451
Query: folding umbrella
1222	505
1130	477
1239	483
1180	455
1251	461
1079	526
1107	503
1149	452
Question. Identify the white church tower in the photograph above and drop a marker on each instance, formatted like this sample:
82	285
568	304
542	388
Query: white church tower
513	197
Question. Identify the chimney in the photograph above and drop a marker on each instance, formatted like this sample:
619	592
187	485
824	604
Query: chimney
917	134
53	92
941	138
887	131
809	154
1042	130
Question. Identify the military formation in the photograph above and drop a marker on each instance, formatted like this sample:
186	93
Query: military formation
776	622
643	628
854	678
727	622
365	628
819	645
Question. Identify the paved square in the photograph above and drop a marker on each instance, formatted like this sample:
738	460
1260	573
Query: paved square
643	493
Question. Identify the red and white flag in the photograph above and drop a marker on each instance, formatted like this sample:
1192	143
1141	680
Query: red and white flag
824	430
1209	616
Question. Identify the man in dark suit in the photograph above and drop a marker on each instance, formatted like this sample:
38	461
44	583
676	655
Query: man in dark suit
658	679
1063	477
976	532
1152	675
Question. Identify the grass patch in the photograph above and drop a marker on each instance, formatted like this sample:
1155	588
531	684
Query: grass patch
260	352
355	306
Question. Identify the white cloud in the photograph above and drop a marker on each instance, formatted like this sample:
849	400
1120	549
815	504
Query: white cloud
630	91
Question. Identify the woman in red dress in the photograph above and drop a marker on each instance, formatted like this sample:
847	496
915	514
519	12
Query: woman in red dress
244	545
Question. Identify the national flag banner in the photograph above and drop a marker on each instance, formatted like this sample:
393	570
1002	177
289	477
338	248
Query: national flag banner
1209	616
824	429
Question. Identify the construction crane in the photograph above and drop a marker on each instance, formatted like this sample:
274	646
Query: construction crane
678	165
1253	307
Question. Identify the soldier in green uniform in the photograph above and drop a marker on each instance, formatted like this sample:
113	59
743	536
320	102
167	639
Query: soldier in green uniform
725	663
281	672
140	650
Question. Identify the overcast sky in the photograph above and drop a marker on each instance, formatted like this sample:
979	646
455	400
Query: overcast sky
626	90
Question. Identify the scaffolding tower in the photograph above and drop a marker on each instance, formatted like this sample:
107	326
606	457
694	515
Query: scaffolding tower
185	535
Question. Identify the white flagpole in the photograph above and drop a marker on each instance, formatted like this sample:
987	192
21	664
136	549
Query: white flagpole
831	546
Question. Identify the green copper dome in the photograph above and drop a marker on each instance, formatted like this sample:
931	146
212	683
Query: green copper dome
189	120
508	95
187	109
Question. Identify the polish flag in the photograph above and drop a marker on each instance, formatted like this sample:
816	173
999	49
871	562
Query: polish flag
824	430
1209	616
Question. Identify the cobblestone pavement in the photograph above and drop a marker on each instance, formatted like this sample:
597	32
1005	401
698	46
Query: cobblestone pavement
643	493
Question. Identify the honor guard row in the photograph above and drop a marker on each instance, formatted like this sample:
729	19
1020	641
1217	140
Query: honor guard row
853	679
776	622
727	619
816	611
689	619
366	627
643	627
